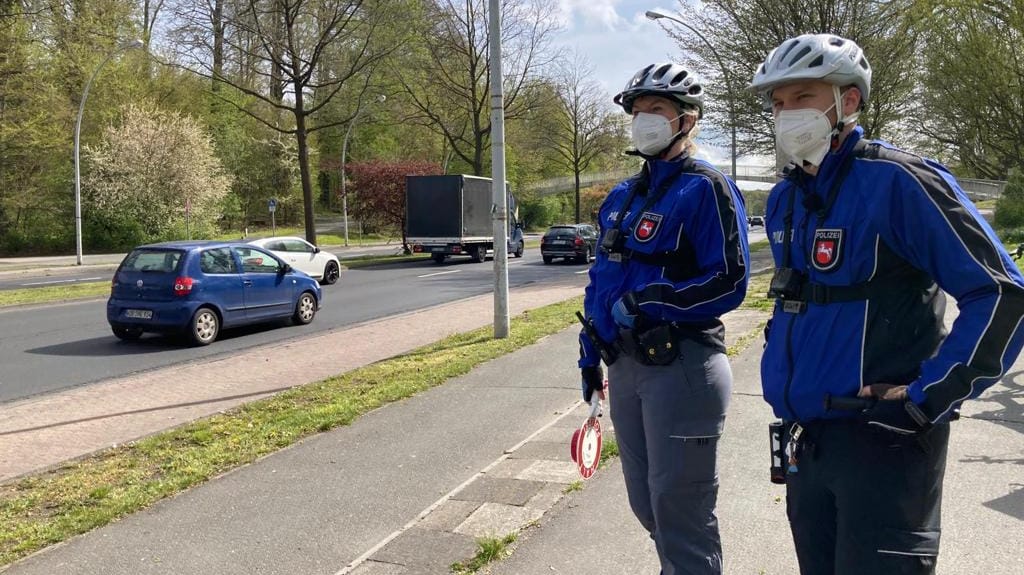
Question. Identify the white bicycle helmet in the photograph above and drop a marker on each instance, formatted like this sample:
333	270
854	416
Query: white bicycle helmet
663	79
825	57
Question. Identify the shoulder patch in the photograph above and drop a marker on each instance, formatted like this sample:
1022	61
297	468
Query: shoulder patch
827	252
647	227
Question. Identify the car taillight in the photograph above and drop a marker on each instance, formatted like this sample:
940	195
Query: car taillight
183	286
579	241
417	249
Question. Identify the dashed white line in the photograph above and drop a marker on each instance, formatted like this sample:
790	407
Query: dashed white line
439	274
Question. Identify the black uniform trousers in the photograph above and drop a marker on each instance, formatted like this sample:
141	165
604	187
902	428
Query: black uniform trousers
864	500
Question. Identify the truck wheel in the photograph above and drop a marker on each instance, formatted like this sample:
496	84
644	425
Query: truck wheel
438	258
480	254
585	258
519	250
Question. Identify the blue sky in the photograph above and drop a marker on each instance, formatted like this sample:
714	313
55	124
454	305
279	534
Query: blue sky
616	36
618	40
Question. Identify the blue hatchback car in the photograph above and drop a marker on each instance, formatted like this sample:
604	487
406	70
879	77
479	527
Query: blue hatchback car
199	287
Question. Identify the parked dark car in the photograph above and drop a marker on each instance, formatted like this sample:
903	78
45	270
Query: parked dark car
576	242
197	288
755	221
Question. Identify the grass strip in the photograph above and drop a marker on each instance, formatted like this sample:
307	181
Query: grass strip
51	294
490	549
48	508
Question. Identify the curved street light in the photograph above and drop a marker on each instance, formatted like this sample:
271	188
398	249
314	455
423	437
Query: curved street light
344	149
656	15
78	128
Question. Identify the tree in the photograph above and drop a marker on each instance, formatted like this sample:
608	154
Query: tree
972	105
742	32
450	85
381	190
143	174
584	127
284	42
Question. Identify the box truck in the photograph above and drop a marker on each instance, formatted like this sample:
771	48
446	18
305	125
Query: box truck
450	215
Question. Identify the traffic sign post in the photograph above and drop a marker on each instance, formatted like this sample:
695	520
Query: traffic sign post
272	206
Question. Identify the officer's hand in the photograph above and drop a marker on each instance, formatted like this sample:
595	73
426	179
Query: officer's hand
626	310
901	416
884	392
593	381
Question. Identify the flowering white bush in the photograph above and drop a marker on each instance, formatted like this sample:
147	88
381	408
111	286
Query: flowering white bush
145	170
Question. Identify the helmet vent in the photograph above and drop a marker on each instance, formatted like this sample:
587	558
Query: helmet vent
678	78
803	52
816	62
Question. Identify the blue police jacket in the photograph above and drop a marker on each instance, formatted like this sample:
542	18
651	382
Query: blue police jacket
685	250
901	230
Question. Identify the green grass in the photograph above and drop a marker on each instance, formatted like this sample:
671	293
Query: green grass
51	507
52	294
490	549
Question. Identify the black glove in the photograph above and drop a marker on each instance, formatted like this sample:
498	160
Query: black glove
903	417
593	381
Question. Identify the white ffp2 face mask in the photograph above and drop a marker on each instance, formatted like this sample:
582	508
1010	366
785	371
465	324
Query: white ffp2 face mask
803	135
652	133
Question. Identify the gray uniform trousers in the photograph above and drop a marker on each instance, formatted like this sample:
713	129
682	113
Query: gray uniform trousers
667	423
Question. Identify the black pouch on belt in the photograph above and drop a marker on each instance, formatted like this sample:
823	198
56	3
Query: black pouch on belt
657	345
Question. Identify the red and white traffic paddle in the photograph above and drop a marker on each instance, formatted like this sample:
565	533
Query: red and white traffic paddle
585	448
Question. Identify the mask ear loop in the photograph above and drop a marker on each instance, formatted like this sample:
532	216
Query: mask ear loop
841	121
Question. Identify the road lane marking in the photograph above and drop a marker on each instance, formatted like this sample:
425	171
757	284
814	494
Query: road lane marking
61	281
439	273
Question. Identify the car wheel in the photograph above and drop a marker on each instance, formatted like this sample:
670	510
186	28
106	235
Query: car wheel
480	254
305	309
548	259
331	273
438	258
127	333
585	258
204	327
519	250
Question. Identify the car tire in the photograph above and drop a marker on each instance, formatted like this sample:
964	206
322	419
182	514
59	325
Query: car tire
204	326
548	259
480	255
585	258
127	333
305	309
520	247
331	273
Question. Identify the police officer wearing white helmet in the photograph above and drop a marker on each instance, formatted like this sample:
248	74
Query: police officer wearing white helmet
673	258
867	240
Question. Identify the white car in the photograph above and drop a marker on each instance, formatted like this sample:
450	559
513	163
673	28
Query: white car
303	256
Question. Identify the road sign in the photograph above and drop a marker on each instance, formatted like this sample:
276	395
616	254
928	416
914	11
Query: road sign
272	205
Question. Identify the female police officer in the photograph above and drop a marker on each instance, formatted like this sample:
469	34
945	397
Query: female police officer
863	236
672	259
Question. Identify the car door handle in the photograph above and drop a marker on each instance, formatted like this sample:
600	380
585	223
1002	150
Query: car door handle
247	282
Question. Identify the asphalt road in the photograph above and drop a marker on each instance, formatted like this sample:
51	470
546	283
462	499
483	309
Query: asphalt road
51	347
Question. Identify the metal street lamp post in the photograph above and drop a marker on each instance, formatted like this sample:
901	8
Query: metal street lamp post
344	150
655	15
78	128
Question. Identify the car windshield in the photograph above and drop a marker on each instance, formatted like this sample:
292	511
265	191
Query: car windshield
152	260
563	231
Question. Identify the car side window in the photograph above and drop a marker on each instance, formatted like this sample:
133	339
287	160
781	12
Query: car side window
217	261
257	261
296	246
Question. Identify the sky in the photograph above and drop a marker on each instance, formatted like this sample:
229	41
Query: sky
619	40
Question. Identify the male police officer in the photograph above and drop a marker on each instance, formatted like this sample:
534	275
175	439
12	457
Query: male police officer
864	237
673	258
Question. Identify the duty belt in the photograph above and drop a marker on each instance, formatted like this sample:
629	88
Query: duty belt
823	294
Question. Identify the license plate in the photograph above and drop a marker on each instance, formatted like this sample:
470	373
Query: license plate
139	313
437	249
561	242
